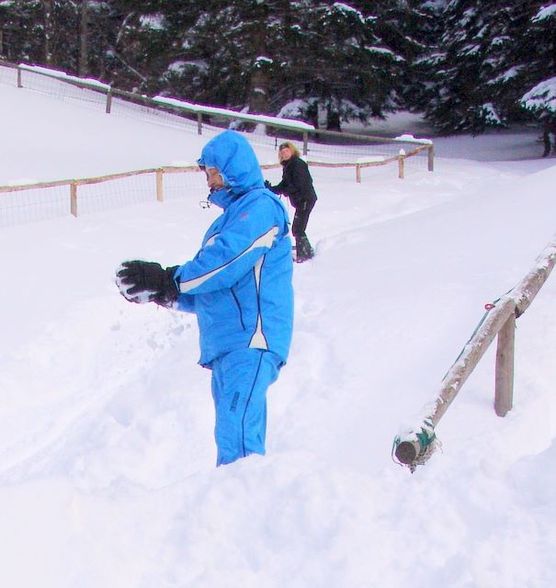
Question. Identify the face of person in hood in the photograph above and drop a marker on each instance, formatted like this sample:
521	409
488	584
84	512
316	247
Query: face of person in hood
233	158
214	179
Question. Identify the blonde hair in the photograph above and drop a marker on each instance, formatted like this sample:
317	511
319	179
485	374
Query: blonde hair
291	146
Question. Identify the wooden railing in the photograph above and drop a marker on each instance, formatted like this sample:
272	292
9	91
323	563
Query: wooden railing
198	112
73	184
409	148
159	173
415	446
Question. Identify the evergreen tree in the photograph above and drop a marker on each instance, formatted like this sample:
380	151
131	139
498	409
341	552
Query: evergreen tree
261	56
485	61
141	41
540	76
410	28
22	25
458	97
537	47
50	33
466	65
341	61
337	64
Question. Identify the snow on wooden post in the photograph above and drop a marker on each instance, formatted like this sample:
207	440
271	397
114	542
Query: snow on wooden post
529	287
501	321
415	446
160	185
431	157
199	123
504	380
471	354
401	164
73	198
109	101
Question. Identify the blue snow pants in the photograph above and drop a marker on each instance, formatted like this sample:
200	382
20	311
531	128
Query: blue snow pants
240	380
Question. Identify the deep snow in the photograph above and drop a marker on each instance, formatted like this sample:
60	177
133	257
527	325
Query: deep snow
107	471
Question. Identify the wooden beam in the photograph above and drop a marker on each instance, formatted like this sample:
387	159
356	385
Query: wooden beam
401	164
470	356
529	287
160	185
504	380
109	101
73	198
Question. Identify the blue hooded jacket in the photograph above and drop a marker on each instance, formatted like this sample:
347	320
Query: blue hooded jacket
240	282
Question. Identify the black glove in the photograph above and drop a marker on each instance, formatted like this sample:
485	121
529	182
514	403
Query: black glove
147	281
267	184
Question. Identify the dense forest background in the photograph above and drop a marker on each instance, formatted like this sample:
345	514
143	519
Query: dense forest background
466	64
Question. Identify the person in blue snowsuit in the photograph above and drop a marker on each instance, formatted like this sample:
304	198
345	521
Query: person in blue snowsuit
239	285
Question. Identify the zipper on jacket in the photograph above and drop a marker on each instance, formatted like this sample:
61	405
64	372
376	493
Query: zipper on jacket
238	309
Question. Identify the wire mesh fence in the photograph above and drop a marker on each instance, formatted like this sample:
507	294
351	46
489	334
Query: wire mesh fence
67	92
8	76
29	203
205	120
115	193
321	148
34	204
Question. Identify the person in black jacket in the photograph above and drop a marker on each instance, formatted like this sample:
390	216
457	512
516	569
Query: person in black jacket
297	185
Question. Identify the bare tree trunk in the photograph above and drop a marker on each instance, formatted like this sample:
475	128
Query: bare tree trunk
83	67
258	97
48	31
258	100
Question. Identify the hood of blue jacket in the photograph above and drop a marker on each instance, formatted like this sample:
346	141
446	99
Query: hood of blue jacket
232	155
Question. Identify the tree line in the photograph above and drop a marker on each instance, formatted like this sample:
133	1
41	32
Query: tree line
465	64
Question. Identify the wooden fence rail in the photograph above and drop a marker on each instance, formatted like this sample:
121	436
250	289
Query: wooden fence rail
415	447
414	147
160	172
198	112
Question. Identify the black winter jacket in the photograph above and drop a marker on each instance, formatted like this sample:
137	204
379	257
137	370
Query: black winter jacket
297	183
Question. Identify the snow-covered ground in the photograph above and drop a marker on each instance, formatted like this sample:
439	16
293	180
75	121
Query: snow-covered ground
107	473
517	143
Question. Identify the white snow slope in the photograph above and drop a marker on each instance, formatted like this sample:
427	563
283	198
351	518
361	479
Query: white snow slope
107	474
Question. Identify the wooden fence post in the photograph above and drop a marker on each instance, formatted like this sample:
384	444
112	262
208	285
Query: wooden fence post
160	185
73	198
401	164
504	386
199	123
109	101
357	173
19	83
431	157
305	143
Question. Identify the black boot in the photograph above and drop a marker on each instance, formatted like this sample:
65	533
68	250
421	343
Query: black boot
303	248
